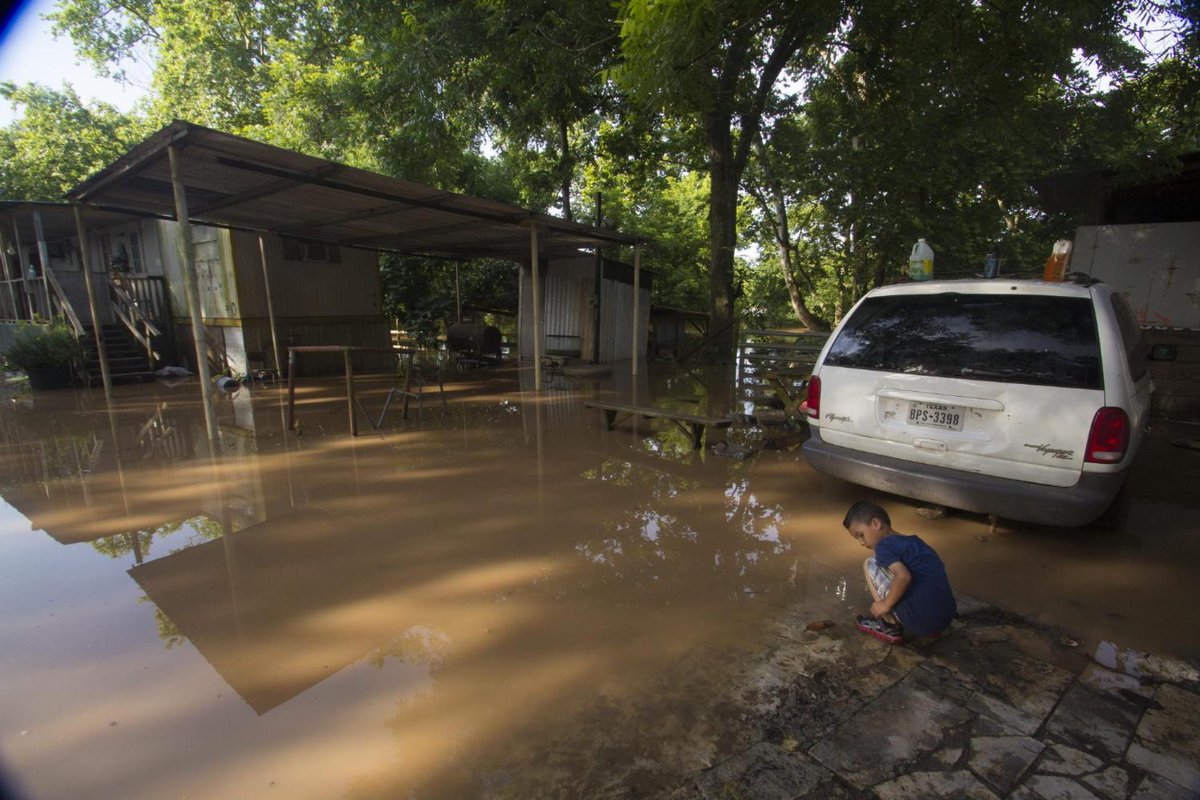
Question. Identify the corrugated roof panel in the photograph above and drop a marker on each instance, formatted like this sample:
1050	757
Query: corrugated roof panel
240	183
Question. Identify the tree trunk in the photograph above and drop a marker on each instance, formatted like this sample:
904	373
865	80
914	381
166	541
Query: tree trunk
565	167
783	238
722	237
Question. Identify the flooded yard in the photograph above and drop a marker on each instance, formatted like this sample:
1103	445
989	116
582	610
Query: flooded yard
498	597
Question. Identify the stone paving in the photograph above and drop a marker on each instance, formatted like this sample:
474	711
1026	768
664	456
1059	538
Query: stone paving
995	708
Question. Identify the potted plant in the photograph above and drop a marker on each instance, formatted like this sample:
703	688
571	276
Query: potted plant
45	353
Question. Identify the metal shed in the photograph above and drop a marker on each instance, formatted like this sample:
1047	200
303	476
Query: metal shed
588	309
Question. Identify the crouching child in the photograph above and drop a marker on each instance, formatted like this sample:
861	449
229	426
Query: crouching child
906	578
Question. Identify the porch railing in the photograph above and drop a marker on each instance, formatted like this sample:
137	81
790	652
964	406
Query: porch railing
129	310
64	305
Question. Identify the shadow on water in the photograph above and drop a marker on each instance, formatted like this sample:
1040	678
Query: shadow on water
496	597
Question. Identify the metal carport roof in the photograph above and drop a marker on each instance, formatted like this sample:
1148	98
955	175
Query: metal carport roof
58	219
239	183
187	171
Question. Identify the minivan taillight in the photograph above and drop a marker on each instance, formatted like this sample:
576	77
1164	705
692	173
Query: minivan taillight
814	398
1109	437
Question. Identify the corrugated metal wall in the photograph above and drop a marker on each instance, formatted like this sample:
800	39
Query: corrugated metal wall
616	320
566	286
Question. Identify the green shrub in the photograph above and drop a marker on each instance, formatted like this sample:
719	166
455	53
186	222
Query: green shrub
37	345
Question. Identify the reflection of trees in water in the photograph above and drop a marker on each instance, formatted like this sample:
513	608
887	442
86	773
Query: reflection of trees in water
1032	339
168	632
137	543
418	645
655	538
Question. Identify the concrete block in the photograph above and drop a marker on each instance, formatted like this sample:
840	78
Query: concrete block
1112	783
909	721
1052	787
923	785
1156	788
1001	761
1167	742
1009	719
769	772
1001	672
1096	721
1059	759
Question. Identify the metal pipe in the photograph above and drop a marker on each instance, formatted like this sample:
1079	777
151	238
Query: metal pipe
291	406
350	391
599	285
537	311
191	289
262	252
86	265
637	267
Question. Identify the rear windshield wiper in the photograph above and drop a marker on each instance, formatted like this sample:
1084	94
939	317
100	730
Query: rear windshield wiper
1005	375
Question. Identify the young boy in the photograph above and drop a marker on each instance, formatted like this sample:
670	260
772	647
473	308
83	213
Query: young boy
906	577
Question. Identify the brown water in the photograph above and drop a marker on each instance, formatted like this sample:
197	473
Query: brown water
500	599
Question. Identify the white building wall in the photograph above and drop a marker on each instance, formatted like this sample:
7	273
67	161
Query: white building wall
1156	267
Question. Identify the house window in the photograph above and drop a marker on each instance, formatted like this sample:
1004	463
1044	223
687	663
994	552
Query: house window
136	264
308	250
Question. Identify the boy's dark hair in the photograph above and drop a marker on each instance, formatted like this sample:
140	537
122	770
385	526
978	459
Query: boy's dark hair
863	512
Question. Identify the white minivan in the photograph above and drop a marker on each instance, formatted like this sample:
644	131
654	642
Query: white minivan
1023	399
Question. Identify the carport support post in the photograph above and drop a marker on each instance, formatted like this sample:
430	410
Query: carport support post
23	266
599	284
457	296
8	279
349	367
191	290
262	252
637	274
44	257
85	264
537	311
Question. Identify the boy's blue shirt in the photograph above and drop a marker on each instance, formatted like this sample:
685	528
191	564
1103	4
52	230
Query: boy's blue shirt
928	605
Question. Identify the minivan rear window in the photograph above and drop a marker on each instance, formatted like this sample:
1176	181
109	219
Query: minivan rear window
1018	338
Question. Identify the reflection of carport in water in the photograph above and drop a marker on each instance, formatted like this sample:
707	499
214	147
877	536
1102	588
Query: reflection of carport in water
192	173
247	601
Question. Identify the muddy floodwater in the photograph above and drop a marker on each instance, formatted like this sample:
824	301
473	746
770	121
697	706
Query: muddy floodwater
496	597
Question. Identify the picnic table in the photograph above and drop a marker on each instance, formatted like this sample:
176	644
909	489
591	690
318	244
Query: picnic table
691	424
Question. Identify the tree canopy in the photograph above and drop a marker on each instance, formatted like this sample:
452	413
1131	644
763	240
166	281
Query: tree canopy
782	157
58	141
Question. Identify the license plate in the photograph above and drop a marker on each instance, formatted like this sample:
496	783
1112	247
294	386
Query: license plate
936	415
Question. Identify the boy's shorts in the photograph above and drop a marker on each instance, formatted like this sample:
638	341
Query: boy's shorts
880	577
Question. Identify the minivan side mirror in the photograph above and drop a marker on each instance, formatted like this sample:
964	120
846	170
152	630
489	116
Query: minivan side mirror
1163	352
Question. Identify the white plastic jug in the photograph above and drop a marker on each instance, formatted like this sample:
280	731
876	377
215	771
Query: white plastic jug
920	263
